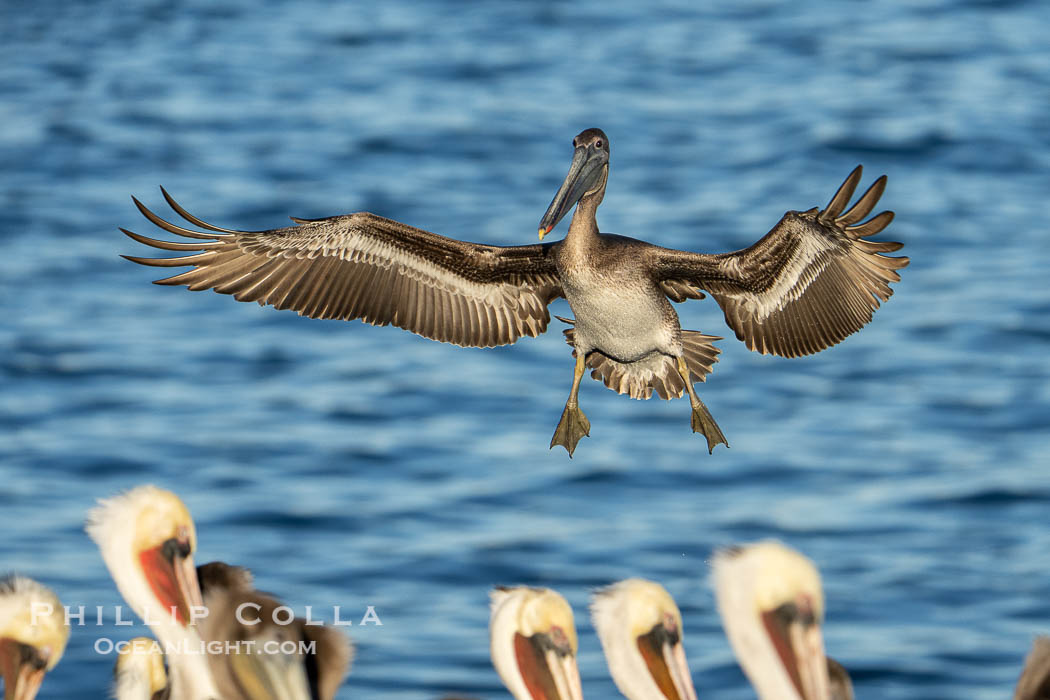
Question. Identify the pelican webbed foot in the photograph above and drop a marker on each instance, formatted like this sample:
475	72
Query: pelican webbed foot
702	421
572	426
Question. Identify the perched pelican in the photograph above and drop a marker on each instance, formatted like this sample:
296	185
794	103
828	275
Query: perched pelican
840	685
533	643
640	628
809	283
239	613
1034	683
33	634
147	539
772	606
139	672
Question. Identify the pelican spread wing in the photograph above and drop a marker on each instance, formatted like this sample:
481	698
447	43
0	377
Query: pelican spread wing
807	284
362	266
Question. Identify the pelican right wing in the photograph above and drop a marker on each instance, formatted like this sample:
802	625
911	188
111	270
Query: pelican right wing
362	266
807	284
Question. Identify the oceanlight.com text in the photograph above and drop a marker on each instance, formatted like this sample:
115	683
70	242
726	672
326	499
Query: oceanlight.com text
288	647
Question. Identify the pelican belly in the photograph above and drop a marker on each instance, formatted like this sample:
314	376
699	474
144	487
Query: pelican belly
626	321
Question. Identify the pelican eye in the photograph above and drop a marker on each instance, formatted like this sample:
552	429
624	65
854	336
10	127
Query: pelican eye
598	143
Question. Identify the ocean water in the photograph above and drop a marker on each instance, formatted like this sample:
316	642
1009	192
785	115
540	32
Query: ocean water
354	466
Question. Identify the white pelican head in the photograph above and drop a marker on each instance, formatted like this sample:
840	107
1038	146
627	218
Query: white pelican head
772	606
533	643
33	634
640	628
147	539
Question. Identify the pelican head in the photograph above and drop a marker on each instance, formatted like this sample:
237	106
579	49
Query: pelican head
587	176
640	628
772	606
139	671
533	644
147	539
33	635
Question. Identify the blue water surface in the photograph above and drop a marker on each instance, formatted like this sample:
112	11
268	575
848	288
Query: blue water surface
353	466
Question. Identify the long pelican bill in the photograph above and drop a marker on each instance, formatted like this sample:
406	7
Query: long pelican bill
173	577
794	631
23	668
548	666
666	659
587	173
664	656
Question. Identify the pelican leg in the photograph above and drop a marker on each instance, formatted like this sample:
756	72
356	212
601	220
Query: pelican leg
702	420
573	425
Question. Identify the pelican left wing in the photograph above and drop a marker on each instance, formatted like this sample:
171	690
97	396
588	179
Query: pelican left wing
362	266
807	284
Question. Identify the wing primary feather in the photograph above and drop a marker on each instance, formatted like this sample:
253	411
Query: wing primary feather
190	217
170	245
865	204
871	226
180	261
170	227
842	196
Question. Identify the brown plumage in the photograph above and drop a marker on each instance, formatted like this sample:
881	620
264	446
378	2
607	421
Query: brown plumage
810	282
1034	683
363	266
238	613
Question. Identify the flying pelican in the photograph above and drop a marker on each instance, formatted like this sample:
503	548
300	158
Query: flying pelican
641	632
772	606
806	285
139	672
33	634
533	644
1034	683
147	539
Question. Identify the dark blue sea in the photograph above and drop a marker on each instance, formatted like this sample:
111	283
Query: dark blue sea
351	465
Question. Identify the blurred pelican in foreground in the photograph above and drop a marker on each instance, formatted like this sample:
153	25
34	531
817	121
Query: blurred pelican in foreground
254	674
640	629
772	607
1034	683
147	539
139	672
33	635
533	644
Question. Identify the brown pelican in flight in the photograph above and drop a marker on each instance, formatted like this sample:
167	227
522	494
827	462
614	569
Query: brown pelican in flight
640	629
33	635
147	539
772	607
807	284
533	643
